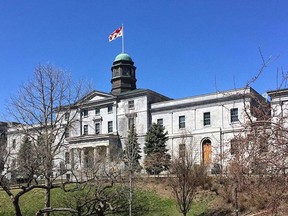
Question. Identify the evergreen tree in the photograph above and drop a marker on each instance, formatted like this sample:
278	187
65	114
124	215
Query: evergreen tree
131	159
28	162
157	159
132	151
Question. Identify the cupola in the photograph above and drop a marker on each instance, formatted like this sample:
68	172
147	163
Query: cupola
123	74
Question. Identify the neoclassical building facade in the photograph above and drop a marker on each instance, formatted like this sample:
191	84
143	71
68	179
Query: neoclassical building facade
204	123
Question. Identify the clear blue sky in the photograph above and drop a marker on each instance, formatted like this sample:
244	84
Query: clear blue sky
181	48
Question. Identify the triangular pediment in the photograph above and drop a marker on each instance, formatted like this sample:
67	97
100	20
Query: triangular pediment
95	96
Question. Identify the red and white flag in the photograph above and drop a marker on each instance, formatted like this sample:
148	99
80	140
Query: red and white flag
117	33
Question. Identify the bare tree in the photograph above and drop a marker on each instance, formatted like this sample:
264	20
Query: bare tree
256	161
41	107
186	176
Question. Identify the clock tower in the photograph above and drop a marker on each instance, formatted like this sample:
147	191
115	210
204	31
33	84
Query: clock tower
123	74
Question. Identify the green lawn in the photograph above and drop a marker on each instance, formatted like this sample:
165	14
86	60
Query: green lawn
33	200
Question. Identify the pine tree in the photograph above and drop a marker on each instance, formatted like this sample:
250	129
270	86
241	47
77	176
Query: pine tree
157	158
28	163
132	151
131	159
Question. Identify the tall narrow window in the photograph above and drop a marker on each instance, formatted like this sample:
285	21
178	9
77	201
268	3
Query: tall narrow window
131	104
206	118
97	128
13	143
110	126
160	122
67	115
97	111
110	108
182	150
233	146
85	131
67	158
66	133
234	115
84	113
181	121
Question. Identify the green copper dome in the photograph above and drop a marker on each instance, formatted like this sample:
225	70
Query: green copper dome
123	57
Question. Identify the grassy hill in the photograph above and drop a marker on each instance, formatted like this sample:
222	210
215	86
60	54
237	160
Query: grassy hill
158	203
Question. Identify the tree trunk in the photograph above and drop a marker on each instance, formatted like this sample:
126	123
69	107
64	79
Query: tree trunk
130	193
17	207
47	203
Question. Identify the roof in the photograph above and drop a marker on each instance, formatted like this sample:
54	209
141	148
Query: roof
278	92
123	57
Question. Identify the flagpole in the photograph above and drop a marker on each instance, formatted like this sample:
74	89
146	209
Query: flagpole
122	38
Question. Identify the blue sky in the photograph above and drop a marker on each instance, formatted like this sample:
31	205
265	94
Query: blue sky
180	48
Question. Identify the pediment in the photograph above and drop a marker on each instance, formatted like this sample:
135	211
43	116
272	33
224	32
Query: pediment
95	96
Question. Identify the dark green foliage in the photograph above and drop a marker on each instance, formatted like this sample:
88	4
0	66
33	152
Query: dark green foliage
2	151
132	151
157	159
28	162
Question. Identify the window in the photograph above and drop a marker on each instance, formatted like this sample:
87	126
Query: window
85	131
67	115
67	158
131	122
131	104
13	143
110	126
101	151
88	157
67	177
110	108
97	111
206	118
126	72
160	122
181	121
66	133
97	128
84	112
116	71
234	115
182	150
233	146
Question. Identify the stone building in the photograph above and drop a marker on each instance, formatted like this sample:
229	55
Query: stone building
207	122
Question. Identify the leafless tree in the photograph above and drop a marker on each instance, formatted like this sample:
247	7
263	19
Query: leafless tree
256	162
41	106
186	176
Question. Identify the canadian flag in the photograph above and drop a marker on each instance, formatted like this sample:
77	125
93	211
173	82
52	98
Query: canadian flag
117	33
